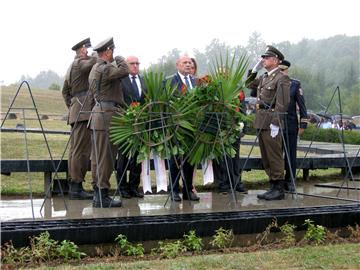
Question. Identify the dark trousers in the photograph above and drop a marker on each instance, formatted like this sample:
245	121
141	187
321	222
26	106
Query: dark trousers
221	174
175	175
291	145
123	164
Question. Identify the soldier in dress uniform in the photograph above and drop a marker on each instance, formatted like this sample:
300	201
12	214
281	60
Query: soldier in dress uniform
75	93
271	105
105	86
292	127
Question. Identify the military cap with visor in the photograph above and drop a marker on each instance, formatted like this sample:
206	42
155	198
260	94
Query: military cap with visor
273	52
107	44
84	43
285	64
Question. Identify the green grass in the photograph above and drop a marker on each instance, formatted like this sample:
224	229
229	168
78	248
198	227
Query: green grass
47	101
341	256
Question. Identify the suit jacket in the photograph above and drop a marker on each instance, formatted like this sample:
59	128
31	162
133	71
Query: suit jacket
130	94
176	81
273	91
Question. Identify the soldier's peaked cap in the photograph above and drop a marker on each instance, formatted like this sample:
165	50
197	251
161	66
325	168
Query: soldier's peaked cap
272	51
84	43
285	64
105	45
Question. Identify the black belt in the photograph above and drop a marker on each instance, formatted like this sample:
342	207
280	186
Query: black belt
80	93
264	106
109	103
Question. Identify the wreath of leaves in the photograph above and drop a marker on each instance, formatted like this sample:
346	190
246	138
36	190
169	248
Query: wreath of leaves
198	124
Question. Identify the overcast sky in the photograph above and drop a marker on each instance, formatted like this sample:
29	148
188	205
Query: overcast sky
37	35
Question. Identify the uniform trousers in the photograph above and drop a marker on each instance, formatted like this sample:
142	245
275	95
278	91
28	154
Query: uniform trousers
272	154
103	156
79	152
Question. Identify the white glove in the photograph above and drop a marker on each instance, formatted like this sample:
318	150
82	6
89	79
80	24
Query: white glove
258	66
274	130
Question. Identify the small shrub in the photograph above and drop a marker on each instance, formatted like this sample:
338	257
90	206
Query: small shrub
288	231
127	248
122	241
43	248
354	233
171	250
137	250
68	250
314	233
222	238
192	242
11	255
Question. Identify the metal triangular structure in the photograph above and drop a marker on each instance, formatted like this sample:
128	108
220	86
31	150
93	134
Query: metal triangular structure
23	110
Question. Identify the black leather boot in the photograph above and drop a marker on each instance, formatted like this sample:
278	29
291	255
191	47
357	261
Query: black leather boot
289	186
102	199
77	192
277	193
262	196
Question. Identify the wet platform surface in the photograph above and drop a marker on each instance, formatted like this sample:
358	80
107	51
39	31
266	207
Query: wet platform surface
13	209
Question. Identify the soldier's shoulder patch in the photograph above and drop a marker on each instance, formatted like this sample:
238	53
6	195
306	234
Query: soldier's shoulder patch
301	92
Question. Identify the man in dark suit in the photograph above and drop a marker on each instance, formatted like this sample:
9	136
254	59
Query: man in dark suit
183	82
134	90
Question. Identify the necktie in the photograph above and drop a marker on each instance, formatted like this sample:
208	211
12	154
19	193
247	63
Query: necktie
187	83
134	85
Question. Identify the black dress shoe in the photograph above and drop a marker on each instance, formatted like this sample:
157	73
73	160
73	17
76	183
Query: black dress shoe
125	194
136	194
192	197
175	197
241	188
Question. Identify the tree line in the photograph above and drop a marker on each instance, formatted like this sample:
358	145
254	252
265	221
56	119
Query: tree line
320	65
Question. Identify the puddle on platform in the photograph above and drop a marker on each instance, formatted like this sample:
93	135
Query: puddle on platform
20	209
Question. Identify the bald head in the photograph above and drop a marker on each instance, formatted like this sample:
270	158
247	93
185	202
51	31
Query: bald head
183	65
134	65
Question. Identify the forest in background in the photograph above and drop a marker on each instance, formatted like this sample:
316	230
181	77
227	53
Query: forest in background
320	65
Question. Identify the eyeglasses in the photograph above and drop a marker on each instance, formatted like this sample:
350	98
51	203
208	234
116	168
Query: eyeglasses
134	63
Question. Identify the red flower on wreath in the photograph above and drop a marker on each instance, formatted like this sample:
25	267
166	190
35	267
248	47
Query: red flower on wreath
241	95
183	89
134	104
204	80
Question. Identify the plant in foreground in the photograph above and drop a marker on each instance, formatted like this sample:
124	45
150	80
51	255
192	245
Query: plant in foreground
288	231
314	233
222	238
171	250
192	242
127	248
